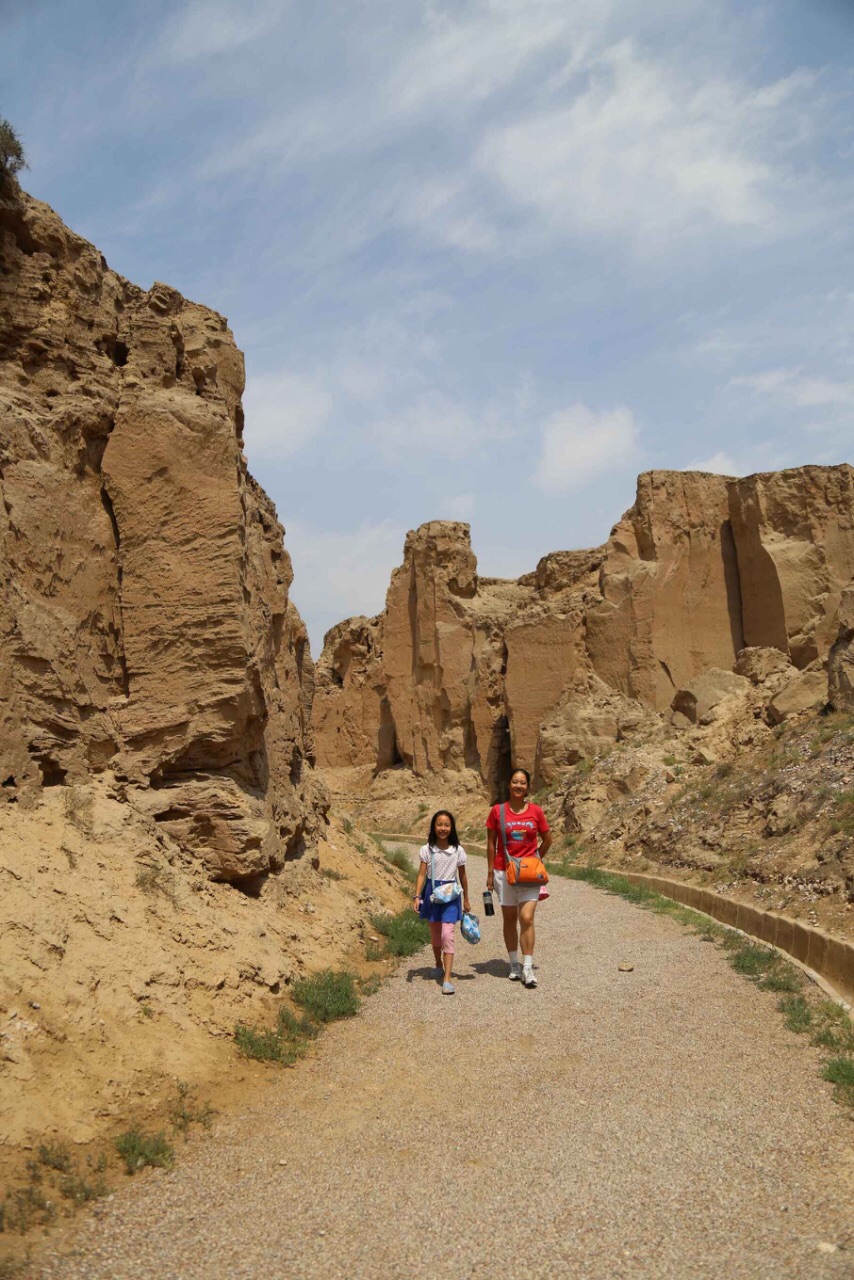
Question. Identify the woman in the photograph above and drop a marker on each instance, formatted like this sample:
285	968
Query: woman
524	822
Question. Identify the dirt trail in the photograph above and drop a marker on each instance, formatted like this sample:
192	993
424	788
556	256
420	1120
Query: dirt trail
659	1123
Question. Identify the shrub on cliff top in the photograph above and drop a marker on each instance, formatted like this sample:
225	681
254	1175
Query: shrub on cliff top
12	158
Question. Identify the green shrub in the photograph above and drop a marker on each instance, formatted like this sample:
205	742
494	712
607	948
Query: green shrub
55	1156
404	933
797	1013
12	158
840	1072
76	1189
265	1044
328	995
186	1110
400	859
753	962
139	1149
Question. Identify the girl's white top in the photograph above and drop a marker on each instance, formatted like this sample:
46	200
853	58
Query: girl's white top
445	861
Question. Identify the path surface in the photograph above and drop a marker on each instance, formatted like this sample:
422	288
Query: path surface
656	1124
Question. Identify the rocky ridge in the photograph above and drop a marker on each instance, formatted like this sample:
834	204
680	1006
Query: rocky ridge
460	673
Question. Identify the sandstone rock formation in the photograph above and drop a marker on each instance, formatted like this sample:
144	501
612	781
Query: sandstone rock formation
145	620
840	667
706	588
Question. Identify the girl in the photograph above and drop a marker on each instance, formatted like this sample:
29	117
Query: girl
524	823
448	857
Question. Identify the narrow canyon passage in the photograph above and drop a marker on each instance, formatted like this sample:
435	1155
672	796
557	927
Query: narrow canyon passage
658	1123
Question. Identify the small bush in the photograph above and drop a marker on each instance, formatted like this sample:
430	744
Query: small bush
840	1072
783	979
139	1149
797	1013
186	1110
76	1189
752	962
400	859
53	1155
12	158
348	827
329	873
265	1044
328	995
156	879
404	933
24	1208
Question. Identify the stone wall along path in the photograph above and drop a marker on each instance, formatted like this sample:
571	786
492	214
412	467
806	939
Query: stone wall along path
655	1125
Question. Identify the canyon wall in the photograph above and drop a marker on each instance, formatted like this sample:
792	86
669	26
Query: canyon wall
147	633
461	672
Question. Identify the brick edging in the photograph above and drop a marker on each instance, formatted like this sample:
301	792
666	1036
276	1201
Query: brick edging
829	957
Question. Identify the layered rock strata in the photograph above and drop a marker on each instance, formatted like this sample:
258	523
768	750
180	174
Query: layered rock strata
703	574
146	627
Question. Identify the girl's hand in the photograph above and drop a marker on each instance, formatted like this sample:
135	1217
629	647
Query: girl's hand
466	906
416	903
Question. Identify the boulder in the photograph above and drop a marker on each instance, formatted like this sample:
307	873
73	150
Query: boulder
702	700
807	692
758	664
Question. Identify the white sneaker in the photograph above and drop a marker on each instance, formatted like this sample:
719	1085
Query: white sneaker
529	978
515	973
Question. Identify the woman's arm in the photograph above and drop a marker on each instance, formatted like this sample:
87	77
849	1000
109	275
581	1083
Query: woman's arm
419	884
464	881
490	860
545	843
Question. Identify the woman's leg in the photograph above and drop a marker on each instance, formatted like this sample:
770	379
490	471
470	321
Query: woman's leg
511	928
526	927
448	950
436	941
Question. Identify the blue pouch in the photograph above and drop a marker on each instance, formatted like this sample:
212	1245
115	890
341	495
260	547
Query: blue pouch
470	927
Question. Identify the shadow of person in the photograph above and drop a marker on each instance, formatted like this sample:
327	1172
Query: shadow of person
493	968
427	973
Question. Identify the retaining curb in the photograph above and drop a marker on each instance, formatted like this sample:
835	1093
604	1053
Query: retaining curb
829	957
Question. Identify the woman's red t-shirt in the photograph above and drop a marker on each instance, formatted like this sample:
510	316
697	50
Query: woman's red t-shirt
522	831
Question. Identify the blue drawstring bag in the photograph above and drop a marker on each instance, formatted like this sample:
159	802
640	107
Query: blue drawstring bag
470	927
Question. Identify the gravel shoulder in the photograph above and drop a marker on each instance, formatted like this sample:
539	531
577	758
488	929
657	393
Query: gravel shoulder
653	1124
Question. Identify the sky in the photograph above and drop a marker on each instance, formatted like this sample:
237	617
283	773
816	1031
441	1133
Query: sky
487	259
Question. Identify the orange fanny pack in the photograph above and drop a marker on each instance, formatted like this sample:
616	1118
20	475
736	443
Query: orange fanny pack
528	870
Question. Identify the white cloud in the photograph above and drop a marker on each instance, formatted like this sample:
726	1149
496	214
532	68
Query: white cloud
642	153
459	507
797	390
578	445
283	412
339	574
208	28
435	423
719	464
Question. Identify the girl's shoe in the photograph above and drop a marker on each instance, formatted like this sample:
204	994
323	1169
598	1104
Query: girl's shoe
448	988
439	973
529	978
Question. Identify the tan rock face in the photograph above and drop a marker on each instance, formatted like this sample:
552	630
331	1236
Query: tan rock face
145	616
795	536
840	667
705	588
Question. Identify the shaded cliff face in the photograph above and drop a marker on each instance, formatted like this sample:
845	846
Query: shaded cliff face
146	627
466	673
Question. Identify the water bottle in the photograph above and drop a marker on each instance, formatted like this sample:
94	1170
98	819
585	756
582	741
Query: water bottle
488	904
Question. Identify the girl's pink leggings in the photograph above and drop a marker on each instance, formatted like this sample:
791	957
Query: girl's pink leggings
442	936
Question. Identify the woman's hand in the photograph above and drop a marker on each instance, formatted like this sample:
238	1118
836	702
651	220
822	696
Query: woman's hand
490	881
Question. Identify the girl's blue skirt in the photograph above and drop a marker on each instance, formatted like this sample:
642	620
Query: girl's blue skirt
435	911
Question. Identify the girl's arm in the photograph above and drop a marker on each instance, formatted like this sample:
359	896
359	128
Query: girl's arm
419	884
545	843
490	860
464	881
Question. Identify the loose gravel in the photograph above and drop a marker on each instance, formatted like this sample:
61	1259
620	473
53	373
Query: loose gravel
654	1124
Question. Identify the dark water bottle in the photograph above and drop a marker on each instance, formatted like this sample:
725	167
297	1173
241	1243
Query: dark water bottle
488	904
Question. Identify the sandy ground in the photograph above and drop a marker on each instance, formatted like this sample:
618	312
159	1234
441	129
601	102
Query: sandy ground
659	1123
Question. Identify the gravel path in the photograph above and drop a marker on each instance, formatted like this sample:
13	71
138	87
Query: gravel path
654	1124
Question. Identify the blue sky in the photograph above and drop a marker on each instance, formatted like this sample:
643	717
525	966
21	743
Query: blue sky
487	259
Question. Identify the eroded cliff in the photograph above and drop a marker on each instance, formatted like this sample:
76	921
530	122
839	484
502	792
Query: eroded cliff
146	627
462	673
